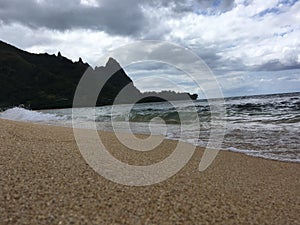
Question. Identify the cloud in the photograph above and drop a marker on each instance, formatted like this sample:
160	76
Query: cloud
111	16
277	65
115	17
30	38
236	38
260	82
89	44
196	6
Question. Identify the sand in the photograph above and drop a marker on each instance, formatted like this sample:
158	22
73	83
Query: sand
45	180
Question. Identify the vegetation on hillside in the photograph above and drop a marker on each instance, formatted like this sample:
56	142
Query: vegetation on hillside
41	81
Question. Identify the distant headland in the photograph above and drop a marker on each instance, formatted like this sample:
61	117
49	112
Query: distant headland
44	81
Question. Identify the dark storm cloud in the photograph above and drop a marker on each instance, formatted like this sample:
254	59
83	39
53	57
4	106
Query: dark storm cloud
112	16
121	17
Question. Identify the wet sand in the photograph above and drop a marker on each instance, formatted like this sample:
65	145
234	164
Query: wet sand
45	180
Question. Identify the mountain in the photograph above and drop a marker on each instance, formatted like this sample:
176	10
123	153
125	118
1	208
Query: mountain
43	81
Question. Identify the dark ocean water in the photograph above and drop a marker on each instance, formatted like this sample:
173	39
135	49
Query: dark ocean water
265	126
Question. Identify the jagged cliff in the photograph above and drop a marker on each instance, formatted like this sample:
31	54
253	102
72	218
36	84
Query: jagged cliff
41	81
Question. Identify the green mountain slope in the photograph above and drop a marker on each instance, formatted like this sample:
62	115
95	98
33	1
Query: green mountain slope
43	81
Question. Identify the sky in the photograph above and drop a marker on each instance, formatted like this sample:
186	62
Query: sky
252	47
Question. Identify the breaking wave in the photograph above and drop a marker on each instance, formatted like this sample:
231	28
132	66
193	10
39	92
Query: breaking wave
21	114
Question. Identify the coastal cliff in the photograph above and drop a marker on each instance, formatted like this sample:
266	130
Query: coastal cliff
43	81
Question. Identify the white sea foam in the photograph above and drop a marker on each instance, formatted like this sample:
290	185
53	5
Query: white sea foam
263	126
266	154
21	114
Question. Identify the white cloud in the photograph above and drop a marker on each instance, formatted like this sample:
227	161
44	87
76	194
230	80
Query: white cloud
90	3
87	44
233	39
239	34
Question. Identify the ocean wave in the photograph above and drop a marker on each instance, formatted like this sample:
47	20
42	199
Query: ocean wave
254	123
21	114
284	156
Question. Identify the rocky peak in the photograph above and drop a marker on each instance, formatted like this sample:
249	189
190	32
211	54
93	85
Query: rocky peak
112	64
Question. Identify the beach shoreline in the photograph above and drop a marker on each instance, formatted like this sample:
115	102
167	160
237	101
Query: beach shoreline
45	180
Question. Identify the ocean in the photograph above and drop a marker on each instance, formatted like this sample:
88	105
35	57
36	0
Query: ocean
266	126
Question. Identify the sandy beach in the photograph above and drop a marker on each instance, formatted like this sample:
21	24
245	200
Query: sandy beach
45	180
